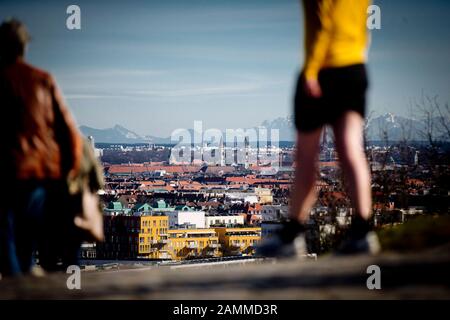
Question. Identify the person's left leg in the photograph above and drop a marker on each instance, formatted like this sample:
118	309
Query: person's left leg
60	240
348	131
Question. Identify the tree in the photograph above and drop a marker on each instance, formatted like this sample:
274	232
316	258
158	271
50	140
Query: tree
435	125
426	110
444	118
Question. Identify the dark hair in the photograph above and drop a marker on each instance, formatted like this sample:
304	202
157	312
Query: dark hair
13	38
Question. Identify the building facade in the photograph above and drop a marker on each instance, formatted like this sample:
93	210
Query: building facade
239	241
193	243
133	236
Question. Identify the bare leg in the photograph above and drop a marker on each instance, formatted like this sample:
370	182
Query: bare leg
304	192
349	144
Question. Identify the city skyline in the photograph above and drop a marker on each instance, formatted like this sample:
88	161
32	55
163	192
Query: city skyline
155	66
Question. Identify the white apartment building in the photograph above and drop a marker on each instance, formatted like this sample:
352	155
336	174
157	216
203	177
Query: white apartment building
178	218
223	219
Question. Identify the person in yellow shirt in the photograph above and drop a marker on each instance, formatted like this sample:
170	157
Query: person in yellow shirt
331	90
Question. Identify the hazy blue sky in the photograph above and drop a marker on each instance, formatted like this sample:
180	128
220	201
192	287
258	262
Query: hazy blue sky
153	66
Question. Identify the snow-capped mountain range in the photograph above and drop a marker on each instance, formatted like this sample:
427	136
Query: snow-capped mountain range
395	127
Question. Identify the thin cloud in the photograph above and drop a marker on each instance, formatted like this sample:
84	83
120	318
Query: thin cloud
92	96
107	73
168	93
201	91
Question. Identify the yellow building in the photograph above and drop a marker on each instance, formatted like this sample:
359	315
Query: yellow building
237	241
193	243
264	195
153	236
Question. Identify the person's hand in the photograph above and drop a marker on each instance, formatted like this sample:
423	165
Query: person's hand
312	88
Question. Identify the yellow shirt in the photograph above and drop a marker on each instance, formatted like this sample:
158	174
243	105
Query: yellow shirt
335	34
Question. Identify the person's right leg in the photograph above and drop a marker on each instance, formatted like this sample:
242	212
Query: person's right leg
348	133
289	241
9	261
304	193
19	227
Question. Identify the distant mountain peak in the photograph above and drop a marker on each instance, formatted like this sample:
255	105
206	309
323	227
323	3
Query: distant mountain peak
116	134
119	127
128	133
119	134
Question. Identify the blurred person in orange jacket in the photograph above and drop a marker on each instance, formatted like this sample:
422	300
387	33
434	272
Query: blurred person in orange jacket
40	150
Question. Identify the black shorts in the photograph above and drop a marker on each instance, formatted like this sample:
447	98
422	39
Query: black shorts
343	89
